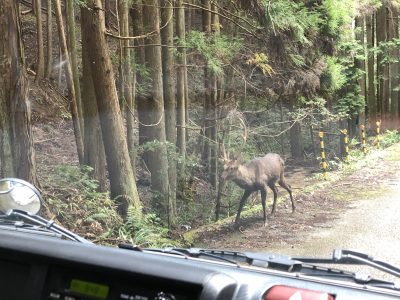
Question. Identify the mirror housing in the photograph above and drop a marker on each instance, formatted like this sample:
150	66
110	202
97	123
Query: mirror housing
19	194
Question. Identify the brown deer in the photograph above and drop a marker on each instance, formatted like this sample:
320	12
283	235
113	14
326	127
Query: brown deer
256	175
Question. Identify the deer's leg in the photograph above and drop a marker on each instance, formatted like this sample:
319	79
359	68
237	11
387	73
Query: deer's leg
246	195
288	188
275	191
263	202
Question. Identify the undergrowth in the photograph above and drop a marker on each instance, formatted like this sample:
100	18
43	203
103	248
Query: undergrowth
72	198
147	232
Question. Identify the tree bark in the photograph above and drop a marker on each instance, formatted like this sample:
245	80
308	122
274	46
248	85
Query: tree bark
181	83
122	182
71	38
168	72
360	63
94	155
70	82
188	15
49	65
372	107
206	23
214	79
107	13
127	80
17	156
382	69
393	33
157	157
141	102
39	40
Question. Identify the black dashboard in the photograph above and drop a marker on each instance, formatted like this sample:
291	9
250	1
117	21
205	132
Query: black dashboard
37	267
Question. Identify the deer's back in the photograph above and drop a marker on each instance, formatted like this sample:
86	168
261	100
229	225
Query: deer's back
267	168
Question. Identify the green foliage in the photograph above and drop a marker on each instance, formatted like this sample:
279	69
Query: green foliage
143	82
349	98
313	111
297	60
81	3
154	146
286	15
351	102
93	214
389	138
333	78
388	51
172	151
217	50
261	61
76	203
147	232
337	14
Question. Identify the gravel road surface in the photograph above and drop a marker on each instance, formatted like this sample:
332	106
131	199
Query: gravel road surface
371	225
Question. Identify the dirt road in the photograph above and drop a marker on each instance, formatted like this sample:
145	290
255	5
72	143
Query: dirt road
361	211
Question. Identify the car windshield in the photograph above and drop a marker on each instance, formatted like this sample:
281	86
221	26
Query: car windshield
247	125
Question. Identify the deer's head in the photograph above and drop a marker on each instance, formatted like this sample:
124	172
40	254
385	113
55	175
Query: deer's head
230	165
230	168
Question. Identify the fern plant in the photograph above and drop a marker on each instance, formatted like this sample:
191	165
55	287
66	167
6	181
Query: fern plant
146	232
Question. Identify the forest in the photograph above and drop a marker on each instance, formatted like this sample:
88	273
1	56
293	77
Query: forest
147	96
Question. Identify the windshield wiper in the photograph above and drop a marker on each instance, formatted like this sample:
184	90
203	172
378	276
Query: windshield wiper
21	226
191	252
31	222
303	265
272	261
349	257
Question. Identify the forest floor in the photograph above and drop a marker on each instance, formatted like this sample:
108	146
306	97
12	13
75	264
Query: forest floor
318	207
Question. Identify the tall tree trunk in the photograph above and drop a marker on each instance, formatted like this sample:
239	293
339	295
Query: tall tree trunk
94	155
70	82
296	139
167	36
360	63
180	81
372	107
49	64
107	13
206	22
188	14
39	40
17	156
127	79
393	33
157	157
122	182
214	80
382	69
141	101
71	38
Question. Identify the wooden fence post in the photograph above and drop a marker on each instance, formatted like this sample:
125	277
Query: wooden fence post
378	136
363	139
346	144
323	158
